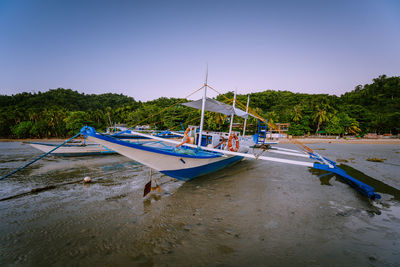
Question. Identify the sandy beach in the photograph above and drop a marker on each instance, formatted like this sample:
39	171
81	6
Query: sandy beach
252	213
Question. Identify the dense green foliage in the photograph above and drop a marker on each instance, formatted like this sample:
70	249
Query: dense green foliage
61	112
371	108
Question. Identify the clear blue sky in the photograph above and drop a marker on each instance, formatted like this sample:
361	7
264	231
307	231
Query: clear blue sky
148	49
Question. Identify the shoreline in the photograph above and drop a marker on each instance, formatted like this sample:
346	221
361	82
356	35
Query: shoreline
391	141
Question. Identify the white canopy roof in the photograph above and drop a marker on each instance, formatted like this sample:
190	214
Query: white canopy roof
216	106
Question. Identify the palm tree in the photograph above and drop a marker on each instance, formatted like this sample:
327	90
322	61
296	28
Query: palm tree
108	111
353	128
33	114
272	117
219	118
297	113
320	117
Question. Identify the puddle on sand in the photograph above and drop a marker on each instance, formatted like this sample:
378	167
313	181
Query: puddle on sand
380	187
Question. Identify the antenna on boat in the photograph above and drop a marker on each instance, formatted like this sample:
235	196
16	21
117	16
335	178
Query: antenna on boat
205	83
203	105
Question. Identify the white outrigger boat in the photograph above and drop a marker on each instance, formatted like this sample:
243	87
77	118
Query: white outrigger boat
203	152
72	149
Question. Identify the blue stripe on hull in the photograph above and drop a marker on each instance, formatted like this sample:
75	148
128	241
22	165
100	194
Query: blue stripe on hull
190	173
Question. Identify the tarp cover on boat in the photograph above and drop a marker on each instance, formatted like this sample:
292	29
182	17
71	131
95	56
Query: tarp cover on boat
216	106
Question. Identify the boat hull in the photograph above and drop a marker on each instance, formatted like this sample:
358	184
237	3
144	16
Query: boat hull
190	173
181	166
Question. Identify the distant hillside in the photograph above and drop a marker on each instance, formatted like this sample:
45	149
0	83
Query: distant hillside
65	98
376	106
370	108
57	112
61	112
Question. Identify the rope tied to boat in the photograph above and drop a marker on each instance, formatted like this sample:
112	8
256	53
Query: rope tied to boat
38	158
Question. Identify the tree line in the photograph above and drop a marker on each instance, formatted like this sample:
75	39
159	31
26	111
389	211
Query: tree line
62	112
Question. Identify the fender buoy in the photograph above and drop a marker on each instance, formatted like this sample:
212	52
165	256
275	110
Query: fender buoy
233	139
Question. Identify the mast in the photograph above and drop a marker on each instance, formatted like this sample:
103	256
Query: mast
203	105
233	105
247	111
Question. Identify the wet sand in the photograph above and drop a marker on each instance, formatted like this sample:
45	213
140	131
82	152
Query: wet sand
253	213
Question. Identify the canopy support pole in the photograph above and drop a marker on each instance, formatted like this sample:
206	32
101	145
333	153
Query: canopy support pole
203	106
247	111
233	105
